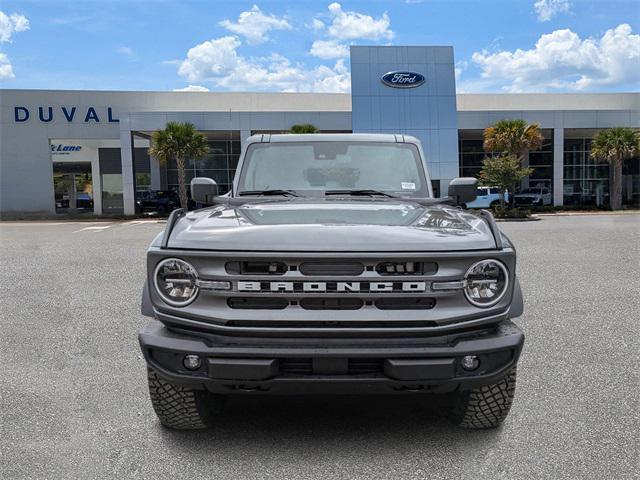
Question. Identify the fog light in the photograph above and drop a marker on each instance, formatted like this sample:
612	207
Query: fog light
470	362
192	362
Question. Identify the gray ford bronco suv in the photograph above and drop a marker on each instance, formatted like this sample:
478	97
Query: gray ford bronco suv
330	268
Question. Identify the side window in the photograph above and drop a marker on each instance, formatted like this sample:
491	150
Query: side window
494	191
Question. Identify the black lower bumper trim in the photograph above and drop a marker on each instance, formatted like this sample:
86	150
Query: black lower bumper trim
294	369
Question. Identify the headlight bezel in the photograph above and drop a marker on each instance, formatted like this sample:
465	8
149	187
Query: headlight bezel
499	297
163	296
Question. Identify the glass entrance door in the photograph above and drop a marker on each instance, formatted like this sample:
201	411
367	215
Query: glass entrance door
73	187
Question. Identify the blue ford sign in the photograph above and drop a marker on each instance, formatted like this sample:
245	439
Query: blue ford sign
403	79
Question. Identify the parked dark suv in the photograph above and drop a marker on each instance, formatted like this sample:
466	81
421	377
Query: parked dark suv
161	202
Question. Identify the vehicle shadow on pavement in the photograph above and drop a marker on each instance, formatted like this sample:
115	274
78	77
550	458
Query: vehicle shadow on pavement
317	423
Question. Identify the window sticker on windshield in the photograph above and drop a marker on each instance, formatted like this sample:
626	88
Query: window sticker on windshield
408	186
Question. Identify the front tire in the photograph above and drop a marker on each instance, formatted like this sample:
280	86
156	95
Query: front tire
180	407
487	406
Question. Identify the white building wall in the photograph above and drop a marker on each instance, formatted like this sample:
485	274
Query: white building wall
26	183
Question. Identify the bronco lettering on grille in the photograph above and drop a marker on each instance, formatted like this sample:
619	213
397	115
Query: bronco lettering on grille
310	287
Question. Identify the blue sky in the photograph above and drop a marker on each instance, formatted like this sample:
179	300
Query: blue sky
500	46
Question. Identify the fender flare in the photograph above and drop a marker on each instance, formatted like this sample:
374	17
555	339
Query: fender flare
146	307
517	302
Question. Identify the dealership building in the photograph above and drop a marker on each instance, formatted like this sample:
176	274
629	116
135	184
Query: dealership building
69	151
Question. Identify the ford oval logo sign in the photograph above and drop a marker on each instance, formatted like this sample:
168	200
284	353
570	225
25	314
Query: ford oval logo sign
403	79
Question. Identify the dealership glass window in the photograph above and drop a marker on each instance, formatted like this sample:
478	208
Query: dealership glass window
73	187
142	167
112	199
586	181
111	179
541	161
220	163
472	155
143	182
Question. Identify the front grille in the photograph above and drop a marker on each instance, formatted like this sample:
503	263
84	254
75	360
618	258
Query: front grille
406	268
256	268
365	366
336	324
415	303
310	284
352	366
296	366
331	303
331	268
258	303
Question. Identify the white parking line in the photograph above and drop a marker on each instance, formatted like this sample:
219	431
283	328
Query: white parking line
142	222
95	228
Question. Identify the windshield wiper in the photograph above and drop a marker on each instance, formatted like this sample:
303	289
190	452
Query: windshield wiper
268	192
359	193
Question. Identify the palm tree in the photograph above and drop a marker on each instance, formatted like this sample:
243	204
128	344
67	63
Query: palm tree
178	141
513	138
615	146
303	128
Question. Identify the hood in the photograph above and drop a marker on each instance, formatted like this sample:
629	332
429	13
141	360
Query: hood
332	225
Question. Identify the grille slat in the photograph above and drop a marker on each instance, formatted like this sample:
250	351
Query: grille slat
331	303
331	268
261	303
414	303
356	366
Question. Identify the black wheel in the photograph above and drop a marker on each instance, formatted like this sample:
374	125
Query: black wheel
494	204
485	407
181	407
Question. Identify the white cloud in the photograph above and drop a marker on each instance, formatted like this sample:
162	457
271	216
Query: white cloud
192	88
317	25
6	70
218	61
10	24
561	60
547	9
128	51
349	25
327	49
254	25
213	58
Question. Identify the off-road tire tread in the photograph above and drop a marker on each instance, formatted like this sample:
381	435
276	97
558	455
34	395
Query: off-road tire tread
487	406
177	407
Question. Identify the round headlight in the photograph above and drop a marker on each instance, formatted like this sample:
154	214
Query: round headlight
486	283
175	282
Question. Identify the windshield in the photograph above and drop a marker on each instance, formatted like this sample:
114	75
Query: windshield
393	168
535	191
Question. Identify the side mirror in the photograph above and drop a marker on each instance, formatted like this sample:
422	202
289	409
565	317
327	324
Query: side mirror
463	190
203	190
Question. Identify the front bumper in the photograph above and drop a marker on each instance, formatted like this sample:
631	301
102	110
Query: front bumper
307	368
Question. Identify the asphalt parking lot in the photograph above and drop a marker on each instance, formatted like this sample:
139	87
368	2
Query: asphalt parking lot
74	400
